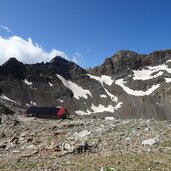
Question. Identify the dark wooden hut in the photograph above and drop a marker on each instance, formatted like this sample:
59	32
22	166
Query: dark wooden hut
48	112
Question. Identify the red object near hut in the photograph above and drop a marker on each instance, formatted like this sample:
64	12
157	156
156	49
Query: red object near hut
48	112
61	112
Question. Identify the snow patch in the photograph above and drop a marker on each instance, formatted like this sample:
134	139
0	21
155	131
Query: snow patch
77	90
6	98
80	112
103	96
113	98
146	74
157	103
168	80
50	84
27	82
103	79
168	61
107	80
32	103
119	105
60	100
121	83
99	109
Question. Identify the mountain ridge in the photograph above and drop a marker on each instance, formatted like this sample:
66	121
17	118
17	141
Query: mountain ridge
115	88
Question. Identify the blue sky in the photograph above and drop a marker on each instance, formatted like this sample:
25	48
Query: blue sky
87	30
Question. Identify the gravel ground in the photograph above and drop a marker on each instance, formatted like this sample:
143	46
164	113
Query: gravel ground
84	144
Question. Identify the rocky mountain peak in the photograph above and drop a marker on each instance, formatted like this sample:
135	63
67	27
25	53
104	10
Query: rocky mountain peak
11	61
58	60
124	60
66	68
14	68
124	54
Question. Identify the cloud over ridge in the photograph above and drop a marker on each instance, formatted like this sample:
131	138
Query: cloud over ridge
7	29
26	51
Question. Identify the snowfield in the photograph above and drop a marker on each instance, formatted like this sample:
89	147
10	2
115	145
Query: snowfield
99	109
50	84
168	80
103	79
77	90
27	82
6	98
121	83
151	72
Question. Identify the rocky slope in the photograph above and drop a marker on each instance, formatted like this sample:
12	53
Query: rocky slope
127	85
84	144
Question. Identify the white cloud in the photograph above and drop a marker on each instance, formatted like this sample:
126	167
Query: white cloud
27	51
77	58
5	28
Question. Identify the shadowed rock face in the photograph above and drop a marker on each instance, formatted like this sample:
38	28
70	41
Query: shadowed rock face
126	85
13	68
